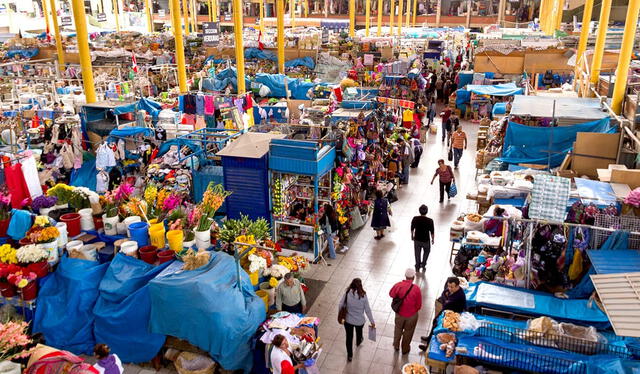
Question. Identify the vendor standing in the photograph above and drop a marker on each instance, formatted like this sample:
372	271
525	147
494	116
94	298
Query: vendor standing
290	296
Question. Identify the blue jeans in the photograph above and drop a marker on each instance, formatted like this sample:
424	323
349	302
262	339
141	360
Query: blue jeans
457	154
332	249
405	172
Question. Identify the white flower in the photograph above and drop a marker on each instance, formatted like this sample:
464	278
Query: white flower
31	253
257	263
277	271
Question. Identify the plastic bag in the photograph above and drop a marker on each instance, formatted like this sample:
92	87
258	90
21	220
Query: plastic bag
468	322
188	362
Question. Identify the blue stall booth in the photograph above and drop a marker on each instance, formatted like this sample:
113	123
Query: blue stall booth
300	174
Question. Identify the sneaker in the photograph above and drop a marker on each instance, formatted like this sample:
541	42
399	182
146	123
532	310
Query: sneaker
343	249
423	347
424	338
349	358
424	269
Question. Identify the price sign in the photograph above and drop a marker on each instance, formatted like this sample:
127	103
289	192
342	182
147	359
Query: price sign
65	21
325	35
210	34
102	17
161	13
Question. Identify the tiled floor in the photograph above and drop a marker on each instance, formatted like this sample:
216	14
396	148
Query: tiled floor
380	264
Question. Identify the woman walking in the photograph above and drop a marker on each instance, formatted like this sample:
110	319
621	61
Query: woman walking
329	224
446	177
380	218
357	305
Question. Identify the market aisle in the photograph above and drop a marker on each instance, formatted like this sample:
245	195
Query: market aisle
380	264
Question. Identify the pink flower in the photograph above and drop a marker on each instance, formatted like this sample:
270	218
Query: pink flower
123	191
171	202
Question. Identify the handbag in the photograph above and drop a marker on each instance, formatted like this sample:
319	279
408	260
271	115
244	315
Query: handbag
450	155
342	313
453	190
396	303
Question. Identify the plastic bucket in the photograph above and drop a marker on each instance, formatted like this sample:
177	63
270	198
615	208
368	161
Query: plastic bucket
30	291
129	248
255	278
73	223
128	221
8	289
156	234
166	256
41	269
265	298
139	232
155	225
97	221
52	250
203	239
175	239
148	254
62	239
109	224
74	245
86	219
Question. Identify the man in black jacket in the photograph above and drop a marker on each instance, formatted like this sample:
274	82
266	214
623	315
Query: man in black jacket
453	298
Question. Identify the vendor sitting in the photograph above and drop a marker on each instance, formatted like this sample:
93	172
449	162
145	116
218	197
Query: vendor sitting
494	226
299	212
280	357
453	297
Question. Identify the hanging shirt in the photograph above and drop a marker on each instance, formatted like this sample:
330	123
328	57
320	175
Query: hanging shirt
209	106
200	105
30	173
102	182
105	157
17	185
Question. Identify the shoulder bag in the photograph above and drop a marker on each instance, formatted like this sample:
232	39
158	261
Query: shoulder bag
396	303
342	313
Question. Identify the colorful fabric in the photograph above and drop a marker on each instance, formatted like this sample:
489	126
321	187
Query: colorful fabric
549	198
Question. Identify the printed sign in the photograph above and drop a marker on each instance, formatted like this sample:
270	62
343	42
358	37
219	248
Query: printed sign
102	17
210	34
161	13
65	21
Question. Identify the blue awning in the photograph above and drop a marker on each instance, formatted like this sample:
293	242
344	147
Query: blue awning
615	261
505	89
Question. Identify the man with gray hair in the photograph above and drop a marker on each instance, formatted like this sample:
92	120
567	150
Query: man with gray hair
290	296
407	302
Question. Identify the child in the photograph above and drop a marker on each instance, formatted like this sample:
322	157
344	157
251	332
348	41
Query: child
107	363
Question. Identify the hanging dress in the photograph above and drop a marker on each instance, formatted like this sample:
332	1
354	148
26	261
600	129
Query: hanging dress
17	185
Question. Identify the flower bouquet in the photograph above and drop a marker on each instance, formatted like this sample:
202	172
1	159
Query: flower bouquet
42	204
14	341
30	254
61	191
5	213
212	200
8	254
6	288
25	281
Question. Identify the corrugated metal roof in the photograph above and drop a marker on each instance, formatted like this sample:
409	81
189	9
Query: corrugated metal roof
567	108
250	145
614	261
620	296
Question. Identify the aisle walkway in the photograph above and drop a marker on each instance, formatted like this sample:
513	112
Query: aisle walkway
380	264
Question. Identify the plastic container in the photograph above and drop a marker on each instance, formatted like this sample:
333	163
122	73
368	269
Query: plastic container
73	223
97	221
63	238
30	291
8	289
86	219
52	250
128	221
75	245
203	239
166	256
156	235
266	287
175	239
148	254
129	248
139	232
110	225
265	297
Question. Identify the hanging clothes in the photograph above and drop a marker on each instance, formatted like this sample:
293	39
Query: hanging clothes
200	105
17	185
209	106
30	173
102	182
105	157
190	104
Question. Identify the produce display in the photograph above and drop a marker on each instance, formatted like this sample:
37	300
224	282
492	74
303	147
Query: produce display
414	369
451	320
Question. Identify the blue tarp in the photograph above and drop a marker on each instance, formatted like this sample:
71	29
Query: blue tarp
304	61
251	53
275	82
512	299
197	305
123	308
65	305
131	131
615	261
150	106
499	108
462	97
24	53
86	175
526	144
122	109
505	89
222	80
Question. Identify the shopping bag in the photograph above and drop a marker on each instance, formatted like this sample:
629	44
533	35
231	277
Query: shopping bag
450	155
453	190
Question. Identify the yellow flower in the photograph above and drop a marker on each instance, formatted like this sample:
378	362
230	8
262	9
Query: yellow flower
273	282
342	220
41	221
23	283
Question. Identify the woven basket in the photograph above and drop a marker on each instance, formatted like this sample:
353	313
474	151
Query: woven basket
188	356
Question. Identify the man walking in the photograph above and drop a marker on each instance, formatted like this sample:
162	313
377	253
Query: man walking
445	122
409	297
458	143
422	234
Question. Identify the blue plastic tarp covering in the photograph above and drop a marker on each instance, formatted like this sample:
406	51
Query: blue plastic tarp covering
86	175
599	193
527	144
505	89
519	300
197	305
131	131
304	61
275	82
222	80
464	79
122	109
123	308
251	53
179	142
615	261
499	108
65	305
462	96
24	53
150	106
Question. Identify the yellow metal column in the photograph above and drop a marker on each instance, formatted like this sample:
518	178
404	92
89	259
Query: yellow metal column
392	11
584	34
352	18
624	59
400	10
292	12
541	14
601	37
46	15
408	20
210	11
56	29
116	13
185	16
559	14
415	12
147	6
261	16
82	38
177	34
214	4
280	18
305	3
380	5
367	14
238	33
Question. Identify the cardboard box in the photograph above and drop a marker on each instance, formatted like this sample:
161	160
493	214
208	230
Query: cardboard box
630	177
